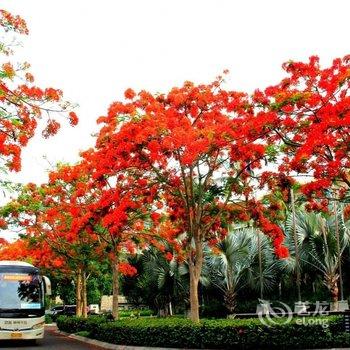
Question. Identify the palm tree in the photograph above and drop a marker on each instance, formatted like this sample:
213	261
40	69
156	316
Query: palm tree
318	246
167	279
234	263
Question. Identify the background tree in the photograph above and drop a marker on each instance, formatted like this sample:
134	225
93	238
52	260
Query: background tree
317	243
161	282
115	212
233	264
54	220
309	118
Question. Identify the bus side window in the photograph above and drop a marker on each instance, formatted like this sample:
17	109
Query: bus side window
47	285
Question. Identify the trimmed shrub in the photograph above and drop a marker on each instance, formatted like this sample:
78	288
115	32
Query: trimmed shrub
252	334
74	324
214	334
48	319
165	332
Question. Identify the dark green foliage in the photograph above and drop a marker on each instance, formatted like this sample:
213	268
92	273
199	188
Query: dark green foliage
136	313
212	334
99	284
213	308
158	282
85	334
79	324
65	288
48	319
150	332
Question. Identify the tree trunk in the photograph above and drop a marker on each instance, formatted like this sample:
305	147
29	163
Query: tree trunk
84	296
170	308
296	247
194	302
261	280
230	300
339	254
334	293
115	302
78	288
195	267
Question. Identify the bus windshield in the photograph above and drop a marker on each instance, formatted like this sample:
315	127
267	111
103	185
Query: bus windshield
20	291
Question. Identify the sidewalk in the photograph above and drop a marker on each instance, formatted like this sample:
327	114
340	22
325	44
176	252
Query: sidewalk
105	345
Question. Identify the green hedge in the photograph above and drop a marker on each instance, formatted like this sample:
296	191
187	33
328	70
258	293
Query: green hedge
78	324
136	313
211	334
48	319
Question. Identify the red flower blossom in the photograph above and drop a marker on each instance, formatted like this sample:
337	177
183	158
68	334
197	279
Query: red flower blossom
129	94
126	269
169	256
73	119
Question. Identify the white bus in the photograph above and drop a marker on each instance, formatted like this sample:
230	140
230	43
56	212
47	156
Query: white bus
22	301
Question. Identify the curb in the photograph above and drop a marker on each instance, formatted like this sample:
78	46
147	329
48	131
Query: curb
105	345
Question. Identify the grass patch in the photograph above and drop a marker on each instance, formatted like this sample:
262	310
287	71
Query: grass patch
85	334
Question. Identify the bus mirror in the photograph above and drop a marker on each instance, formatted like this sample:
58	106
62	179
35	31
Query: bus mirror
47	285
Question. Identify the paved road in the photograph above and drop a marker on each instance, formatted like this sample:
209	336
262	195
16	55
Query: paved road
52	341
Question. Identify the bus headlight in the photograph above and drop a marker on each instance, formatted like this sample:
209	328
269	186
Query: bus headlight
38	325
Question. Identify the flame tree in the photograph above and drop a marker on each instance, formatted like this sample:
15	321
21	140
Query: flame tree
198	148
308	114
55	219
22	103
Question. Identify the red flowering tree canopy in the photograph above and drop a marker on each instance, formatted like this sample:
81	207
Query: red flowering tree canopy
22	103
123	215
54	218
80	219
39	255
309	116
195	147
